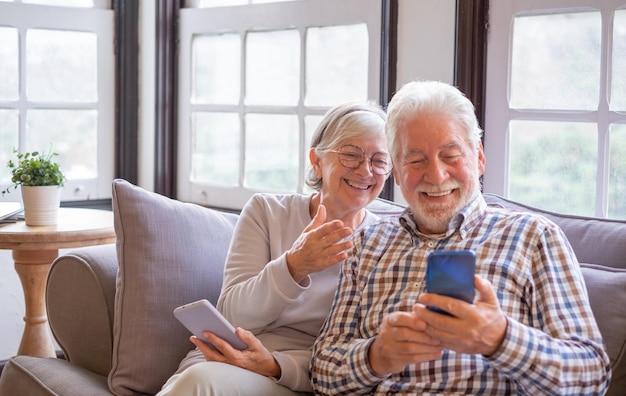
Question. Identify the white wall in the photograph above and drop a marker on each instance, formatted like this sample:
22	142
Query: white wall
425	44
426	51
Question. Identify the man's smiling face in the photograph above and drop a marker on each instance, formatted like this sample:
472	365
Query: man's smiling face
437	169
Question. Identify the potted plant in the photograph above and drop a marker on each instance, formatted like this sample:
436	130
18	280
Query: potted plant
40	179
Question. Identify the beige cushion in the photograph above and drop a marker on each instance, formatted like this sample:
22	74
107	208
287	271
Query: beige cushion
170	253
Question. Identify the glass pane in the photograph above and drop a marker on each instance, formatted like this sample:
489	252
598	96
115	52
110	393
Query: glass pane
618	76
224	3
550	52
71	133
336	64
63	3
617	173
273	68
215	148
216	69
8	64
271	159
553	165
310	124
61	66
8	140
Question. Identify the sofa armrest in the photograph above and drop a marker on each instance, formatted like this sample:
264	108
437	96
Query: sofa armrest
80	299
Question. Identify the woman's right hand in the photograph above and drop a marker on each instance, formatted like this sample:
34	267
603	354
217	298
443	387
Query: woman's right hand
319	246
255	357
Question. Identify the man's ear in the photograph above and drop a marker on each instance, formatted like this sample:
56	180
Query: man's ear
482	161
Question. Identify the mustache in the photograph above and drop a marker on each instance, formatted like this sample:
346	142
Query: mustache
434	189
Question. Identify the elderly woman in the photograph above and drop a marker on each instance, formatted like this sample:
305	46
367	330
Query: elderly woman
283	265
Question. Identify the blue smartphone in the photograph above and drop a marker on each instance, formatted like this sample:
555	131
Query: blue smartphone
451	273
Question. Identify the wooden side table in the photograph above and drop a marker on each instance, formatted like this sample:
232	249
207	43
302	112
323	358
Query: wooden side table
34	250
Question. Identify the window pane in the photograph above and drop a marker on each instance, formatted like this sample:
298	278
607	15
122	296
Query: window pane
216	69
215	151
336	64
71	133
8	140
553	165
549	53
224	3
273	80
8	64
617	172
618	76
310	124
61	66
271	160
64	3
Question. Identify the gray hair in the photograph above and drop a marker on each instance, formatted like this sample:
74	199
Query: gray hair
430	97
351	120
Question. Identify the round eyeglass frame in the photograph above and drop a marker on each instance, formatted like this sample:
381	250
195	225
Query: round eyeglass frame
376	170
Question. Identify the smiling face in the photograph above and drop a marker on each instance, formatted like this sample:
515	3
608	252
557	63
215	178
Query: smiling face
345	191
437	169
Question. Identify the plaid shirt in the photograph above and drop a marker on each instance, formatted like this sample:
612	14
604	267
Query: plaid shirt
552	343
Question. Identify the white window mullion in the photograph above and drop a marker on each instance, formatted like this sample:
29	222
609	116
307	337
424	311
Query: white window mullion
259	20
29	18
558	122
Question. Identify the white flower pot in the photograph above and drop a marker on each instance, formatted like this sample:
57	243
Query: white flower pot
41	204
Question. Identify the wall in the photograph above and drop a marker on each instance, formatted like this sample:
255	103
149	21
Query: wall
426	51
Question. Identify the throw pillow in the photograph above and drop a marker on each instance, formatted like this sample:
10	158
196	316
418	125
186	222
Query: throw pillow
170	253
606	287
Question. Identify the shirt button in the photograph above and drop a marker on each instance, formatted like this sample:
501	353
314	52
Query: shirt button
431	244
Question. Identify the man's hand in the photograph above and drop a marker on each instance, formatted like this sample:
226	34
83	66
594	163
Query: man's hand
255	358
477	328
401	341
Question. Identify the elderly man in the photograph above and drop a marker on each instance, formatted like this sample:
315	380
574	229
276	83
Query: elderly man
530	329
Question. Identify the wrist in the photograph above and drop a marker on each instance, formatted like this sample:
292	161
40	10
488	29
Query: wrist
373	355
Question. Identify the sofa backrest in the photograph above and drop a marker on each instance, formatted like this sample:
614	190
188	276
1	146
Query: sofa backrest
600	246
595	240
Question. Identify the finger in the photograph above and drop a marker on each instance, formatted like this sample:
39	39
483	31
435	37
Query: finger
209	353
220	344
248	338
318	219
485	291
408	331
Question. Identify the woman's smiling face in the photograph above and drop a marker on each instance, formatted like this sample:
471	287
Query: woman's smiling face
350	189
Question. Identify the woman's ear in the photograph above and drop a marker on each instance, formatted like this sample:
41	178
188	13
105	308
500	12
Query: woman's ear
315	162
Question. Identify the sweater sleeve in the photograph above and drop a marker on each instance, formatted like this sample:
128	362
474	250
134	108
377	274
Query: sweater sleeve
257	284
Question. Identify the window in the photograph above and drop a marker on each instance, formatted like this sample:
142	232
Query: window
57	90
555	130
255	80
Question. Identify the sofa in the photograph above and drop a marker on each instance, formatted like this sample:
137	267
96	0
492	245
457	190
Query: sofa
110	307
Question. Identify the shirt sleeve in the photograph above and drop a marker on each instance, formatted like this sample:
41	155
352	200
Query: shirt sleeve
339	364
561	352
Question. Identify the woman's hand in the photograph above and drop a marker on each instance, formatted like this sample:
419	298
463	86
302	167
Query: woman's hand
255	358
319	246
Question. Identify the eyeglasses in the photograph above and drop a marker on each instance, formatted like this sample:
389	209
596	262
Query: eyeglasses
352	157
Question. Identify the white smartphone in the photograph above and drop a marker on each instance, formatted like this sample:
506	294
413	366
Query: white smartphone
200	316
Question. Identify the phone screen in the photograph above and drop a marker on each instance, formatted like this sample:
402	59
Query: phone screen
451	273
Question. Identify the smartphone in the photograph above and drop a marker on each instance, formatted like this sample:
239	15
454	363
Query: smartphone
200	316
451	273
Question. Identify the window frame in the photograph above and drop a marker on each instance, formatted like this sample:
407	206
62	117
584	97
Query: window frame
93	20
499	114
186	190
